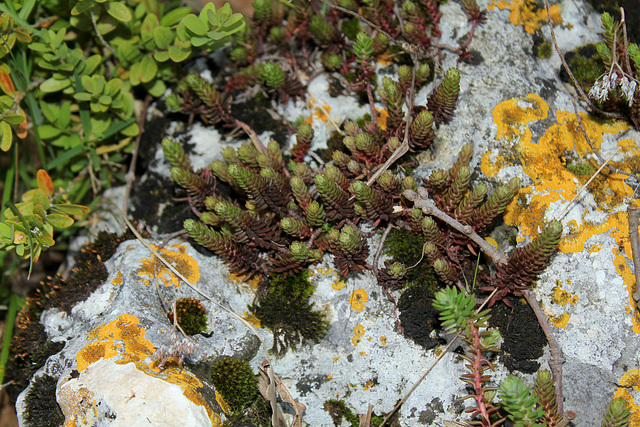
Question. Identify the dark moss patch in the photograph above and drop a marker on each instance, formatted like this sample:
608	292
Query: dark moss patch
192	316
585	65
284	308
418	317
42	409
524	340
406	247
254	113
236	382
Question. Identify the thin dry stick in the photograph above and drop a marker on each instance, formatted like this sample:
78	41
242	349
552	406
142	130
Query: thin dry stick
557	356
131	175
379	251
634	216
423	202
406	396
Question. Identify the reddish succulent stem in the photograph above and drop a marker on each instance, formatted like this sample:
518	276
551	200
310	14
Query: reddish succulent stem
478	378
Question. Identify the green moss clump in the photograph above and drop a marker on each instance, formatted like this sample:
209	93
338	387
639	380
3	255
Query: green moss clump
285	309
41	407
406	247
192	316
544	50
235	381
584	169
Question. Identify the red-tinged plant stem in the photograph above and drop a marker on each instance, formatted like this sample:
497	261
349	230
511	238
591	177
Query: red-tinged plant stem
557	356
478	378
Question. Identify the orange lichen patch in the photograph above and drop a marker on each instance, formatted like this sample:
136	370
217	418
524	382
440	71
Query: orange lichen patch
118	280
631	378
623	393
368	385
543	163
358	298
560	296
515	113
363	353
491	164
382	118
383	340
336	358
560	321
338	284
594	248
251	318
576	237
191	386
325	271
178	257
528	13
122	336
223	403
358	333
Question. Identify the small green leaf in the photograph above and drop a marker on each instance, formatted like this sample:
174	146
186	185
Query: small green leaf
71	209
113	87
133	129
174	16
82	96
54	85
161	55
7	230
157	89
60	221
163	37
195	25
134	76
199	41
91	64
39	47
148	69
6	136
105	100
82	6
45	241
48	132
64	115
13	119
119	10
179	53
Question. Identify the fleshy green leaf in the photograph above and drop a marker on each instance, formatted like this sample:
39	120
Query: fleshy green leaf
195	25
71	209
54	85
44	182
60	221
6	136
163	37
119	10
148	69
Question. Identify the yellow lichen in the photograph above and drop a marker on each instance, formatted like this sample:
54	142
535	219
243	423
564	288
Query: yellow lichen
118	280
177	255
223	403
358	298
368	385
253	283
631	378
560	296
325	271
122	336
490	166
338	284
382	118
358	333
251	318
560	321
383	340
528	13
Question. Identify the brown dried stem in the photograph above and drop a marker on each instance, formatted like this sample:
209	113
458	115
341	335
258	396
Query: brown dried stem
634	216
